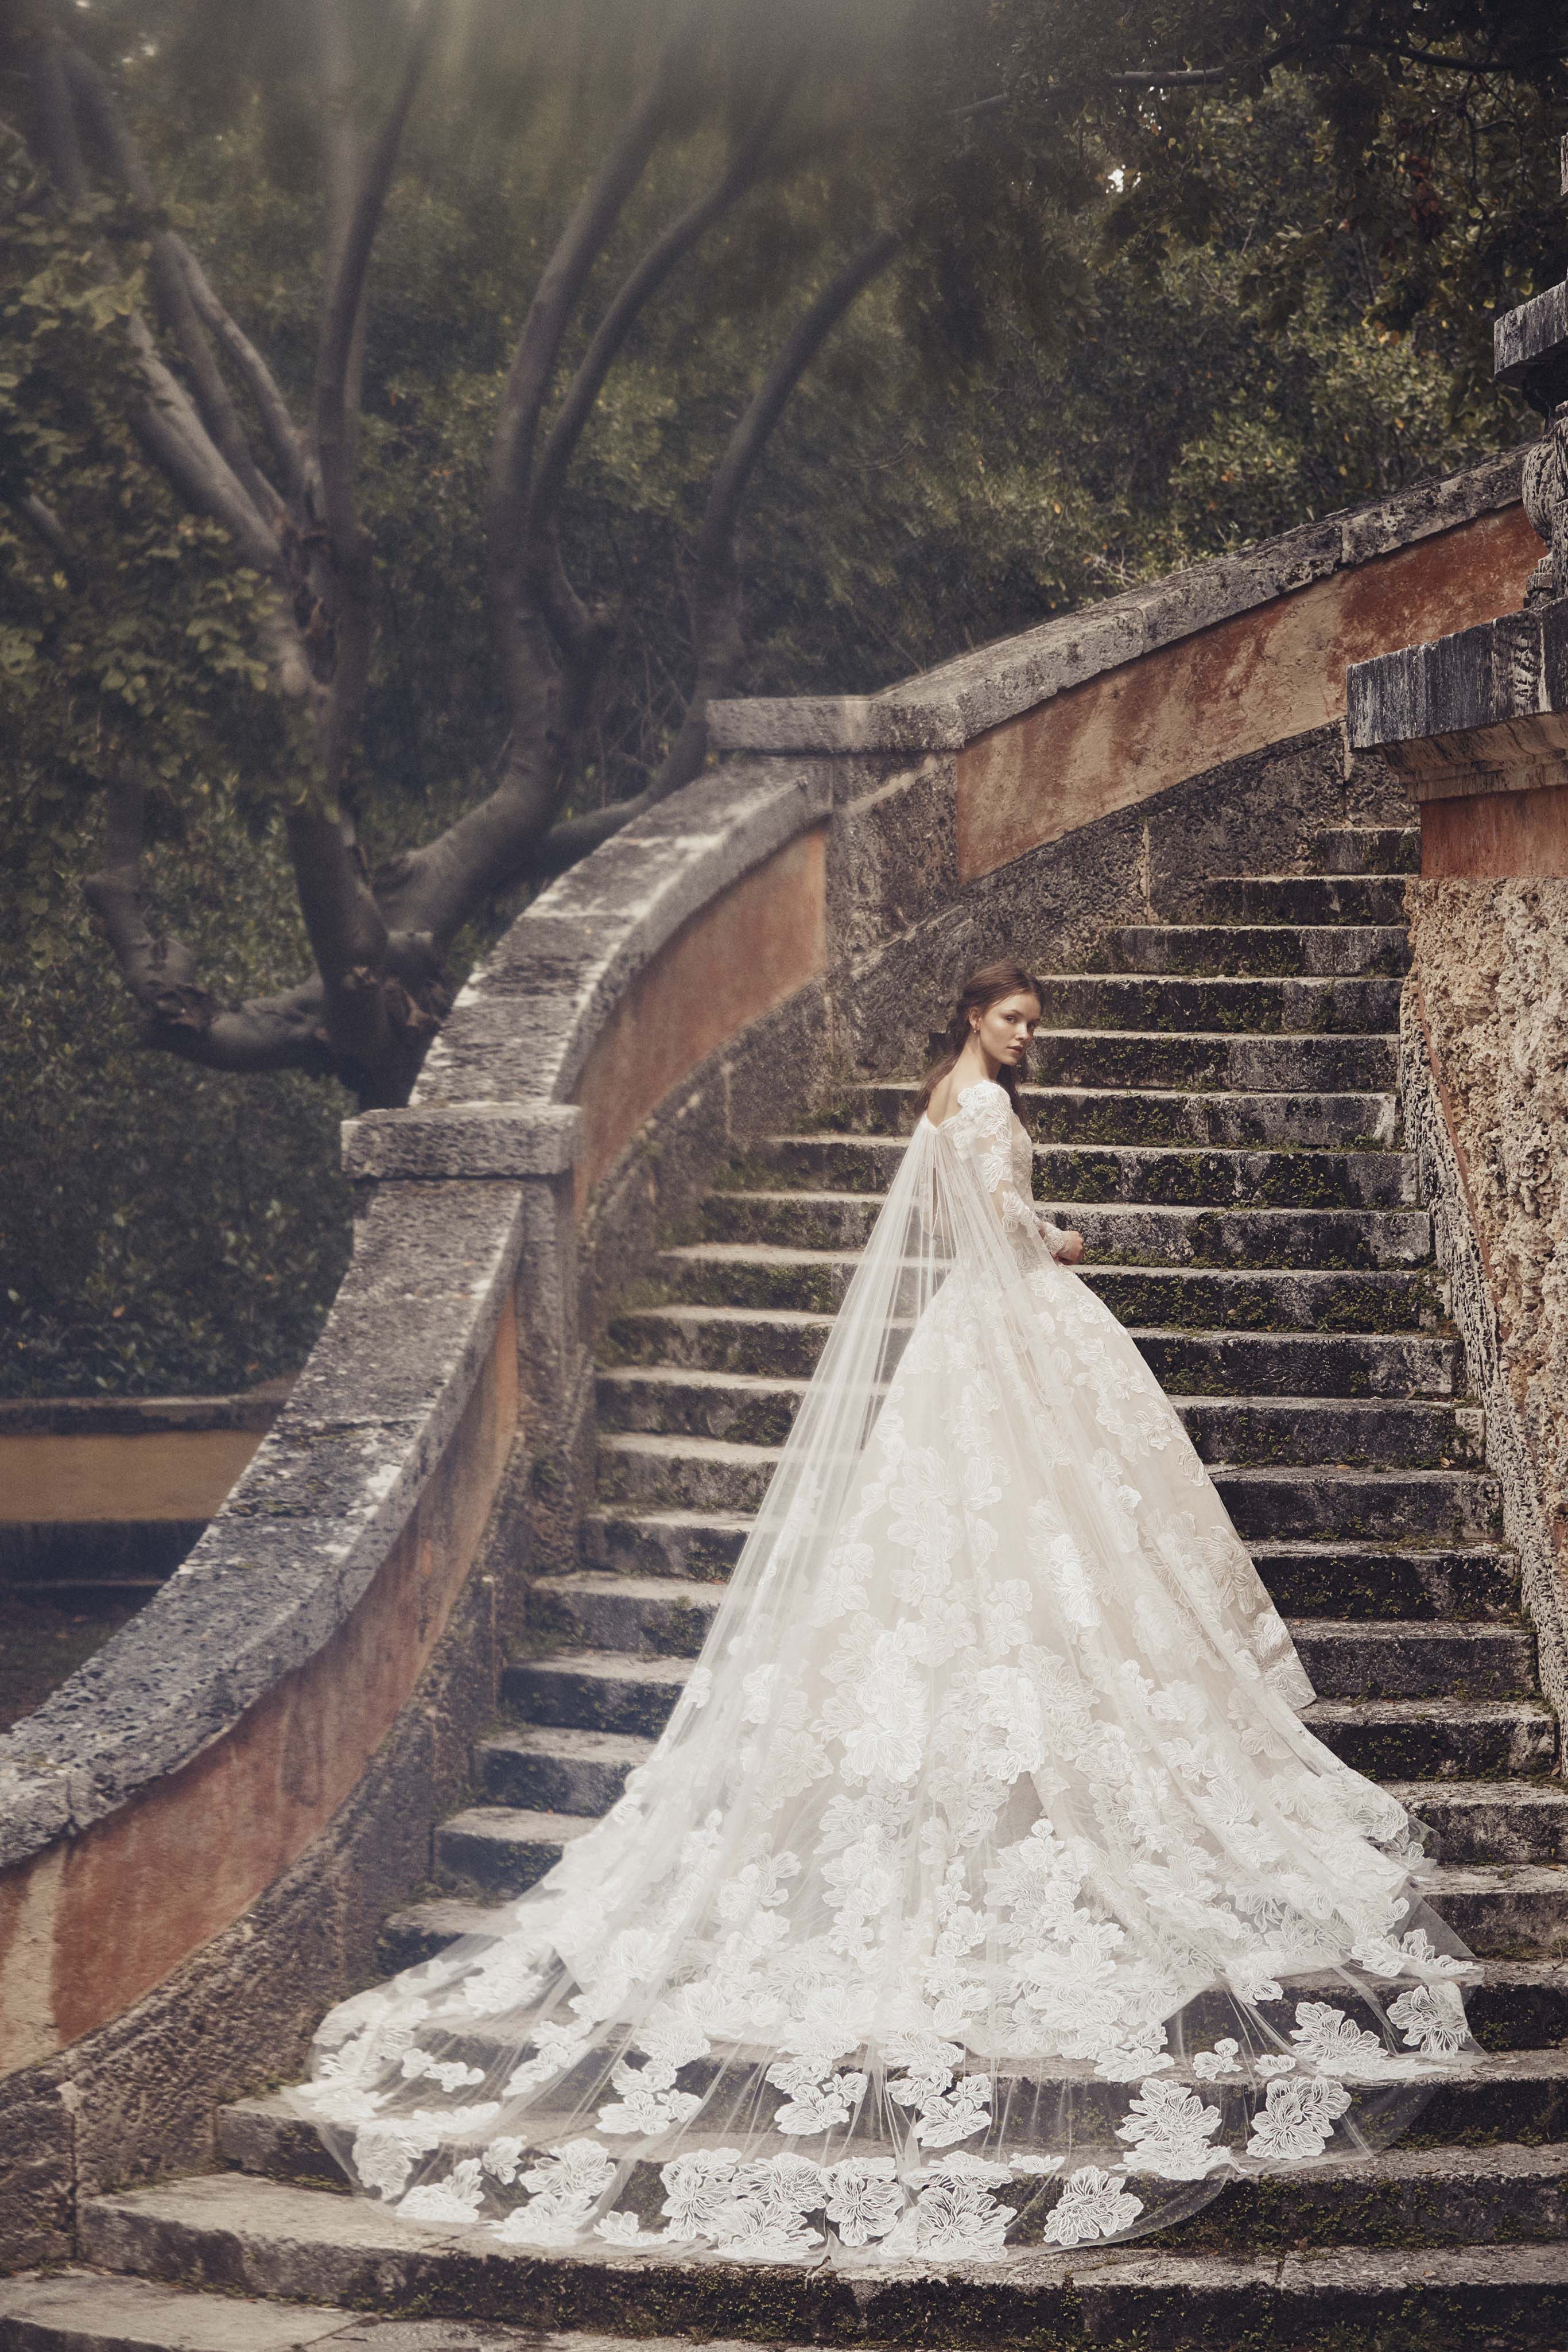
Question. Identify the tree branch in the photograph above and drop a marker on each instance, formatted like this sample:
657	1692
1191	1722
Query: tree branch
278	422
349	590
169	428
42	520
637	290
178	442
178	1015
334	399
346	932
54	131
171	283
527	672
714	594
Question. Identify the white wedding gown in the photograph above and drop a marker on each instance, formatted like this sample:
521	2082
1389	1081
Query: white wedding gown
985	1889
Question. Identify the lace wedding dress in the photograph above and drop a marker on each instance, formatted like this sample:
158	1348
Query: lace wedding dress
985	1889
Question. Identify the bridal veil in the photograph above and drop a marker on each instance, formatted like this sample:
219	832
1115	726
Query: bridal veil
987	1888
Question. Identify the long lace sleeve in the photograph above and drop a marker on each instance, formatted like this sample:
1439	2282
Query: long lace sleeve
985	1135
989	1134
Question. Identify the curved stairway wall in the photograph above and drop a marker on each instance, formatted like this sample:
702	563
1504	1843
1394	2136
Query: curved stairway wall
202	1830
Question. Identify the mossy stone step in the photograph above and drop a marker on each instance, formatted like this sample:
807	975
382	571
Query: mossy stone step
1271	1298
1367	898
1251	1064
1428	1738
1367	849
1384	1433
1230	1120
784	1343
1296	1004
654	1617
1103	1175
1349	1578
698	1492
1262	951
259	2237
1140	1234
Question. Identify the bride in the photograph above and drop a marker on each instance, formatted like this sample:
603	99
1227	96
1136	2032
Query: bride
985	1889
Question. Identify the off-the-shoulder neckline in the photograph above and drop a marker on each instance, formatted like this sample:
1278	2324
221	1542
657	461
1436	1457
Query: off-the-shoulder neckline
936	1124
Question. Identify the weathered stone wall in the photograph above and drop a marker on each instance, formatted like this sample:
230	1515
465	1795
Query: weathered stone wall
1487	1015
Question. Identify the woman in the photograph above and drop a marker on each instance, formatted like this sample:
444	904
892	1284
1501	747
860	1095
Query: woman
985	1888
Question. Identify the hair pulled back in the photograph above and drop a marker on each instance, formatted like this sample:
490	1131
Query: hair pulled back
982	989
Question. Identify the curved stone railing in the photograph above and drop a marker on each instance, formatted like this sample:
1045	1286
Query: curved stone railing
234	1791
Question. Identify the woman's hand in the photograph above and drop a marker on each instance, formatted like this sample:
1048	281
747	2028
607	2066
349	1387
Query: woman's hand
1071	1250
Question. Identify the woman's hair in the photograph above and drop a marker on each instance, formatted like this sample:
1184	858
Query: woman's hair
982	989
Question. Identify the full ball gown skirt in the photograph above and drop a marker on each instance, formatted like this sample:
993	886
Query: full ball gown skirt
985	1889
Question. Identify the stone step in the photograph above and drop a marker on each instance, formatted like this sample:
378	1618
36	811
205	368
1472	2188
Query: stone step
1146	1233
409	1936
1480	1584
1377	1432
557	1770
1409	2194
1428	1739
259	2237
1102	1175
501	1850
1175	1001
1491	1822
1367	898
1135	1234
497	1850
785	1345
1512	2099
1410	1506
641	1616
1256	951
1349	1658
1381	1506
702	1545
1231	1121
1387	1433
1277	1298
88	2311
1521	2003
1199	1058
1392	1364
1439	1738
595	1690
1475	1582
1367	849
781	1344
1235	1122
647	1617
1483	1822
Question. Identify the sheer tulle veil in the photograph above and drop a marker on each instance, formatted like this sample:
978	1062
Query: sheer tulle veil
987	1888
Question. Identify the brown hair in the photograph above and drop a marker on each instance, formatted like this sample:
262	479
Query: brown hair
983	988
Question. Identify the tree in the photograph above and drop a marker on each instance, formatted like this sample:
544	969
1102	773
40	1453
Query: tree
1435	128
206	411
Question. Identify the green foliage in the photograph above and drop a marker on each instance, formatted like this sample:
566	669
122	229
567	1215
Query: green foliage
161	1229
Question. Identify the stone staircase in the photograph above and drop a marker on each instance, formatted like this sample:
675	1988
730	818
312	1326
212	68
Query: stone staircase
1215	1106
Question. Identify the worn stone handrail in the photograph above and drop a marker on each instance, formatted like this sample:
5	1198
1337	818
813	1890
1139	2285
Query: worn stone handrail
244	1779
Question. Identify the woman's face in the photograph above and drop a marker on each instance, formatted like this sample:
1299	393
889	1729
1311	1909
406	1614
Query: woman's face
1004	1029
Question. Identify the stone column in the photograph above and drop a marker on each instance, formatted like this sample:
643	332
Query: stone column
536	1146
1477	724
